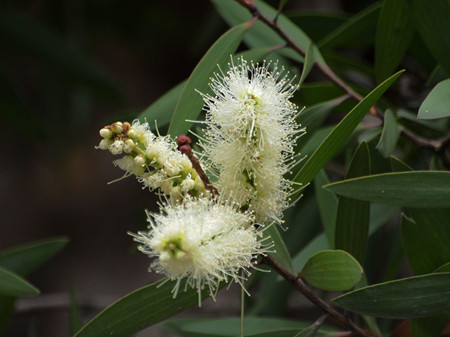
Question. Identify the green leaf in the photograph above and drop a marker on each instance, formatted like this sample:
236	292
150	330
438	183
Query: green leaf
429	326
230	327
394	34
353	216
311	331
281	254
51	50
162	109
431	20
421	189
437	103
310	60
445	268
74	314
426	239
412	297
315	93
361	25
340	134
317	244
190	102
333	270
389	135
327	203
12	284
26	258
141	308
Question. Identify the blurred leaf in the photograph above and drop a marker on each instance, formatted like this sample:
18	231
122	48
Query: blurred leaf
137	310
190	102
394	299
327	203
431	20
316	93
54	52
316	24
332	270
437	103
389	136
26	258
421	189
162	109
340	134
380	214
398	165
429	326
435	125
426	239
12	284
230	327
358	28
353	216
445	268
394	34
75	314
281	254
311	331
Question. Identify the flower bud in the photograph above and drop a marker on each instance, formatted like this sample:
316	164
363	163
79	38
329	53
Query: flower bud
128	146
105	133
187	185
131	133
139	160
104	144
117	127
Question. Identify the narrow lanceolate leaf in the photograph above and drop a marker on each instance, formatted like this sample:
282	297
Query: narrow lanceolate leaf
327	203
26	258
281	254
429	326
13	285
420	189
141	308
161	110
426	238
412	297
333	270
437	103
334	141
231	327
190	102
362	24
431	20
389	135
353	216
394	33
310	60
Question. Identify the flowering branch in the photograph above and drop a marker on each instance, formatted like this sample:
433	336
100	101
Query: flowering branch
298	283
437	146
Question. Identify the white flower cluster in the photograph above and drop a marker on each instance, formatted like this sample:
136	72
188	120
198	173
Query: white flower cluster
202	240
154	160
250	135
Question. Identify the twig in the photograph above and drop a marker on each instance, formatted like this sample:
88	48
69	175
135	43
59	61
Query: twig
184	146
298	283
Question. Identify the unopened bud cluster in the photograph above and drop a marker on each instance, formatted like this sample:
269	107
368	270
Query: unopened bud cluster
154	160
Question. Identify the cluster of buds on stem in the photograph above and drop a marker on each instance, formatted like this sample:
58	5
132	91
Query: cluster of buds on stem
154	160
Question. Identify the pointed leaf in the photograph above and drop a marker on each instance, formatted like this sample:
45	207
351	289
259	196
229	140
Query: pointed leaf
340	134
310	60
395	32
426	239
12	284
421	189
353	216
190	103
281	254
389	135
437	103
327	203
412	297
431	20
141	308
332	270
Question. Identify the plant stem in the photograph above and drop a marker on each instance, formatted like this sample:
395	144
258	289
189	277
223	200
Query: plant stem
298	283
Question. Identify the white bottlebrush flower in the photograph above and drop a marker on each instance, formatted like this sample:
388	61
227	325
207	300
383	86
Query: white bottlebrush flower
202	240
250	136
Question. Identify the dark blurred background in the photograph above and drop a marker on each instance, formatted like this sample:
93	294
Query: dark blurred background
66	69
